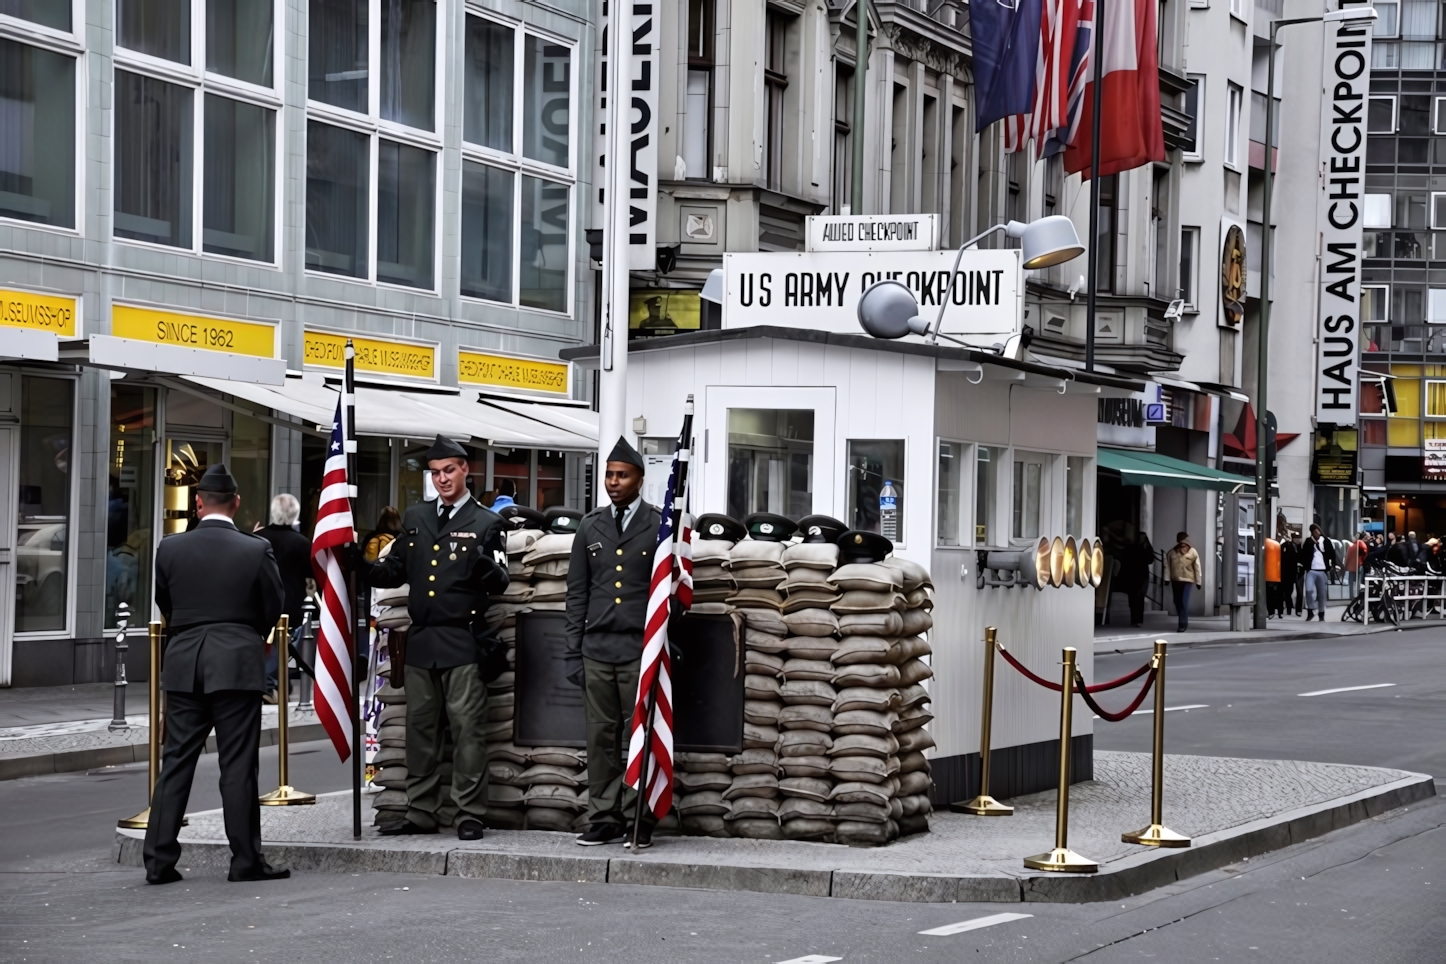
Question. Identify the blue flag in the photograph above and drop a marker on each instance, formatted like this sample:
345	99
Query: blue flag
1006	52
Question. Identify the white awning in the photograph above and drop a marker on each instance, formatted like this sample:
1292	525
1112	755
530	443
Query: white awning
575	419
28	344
399	413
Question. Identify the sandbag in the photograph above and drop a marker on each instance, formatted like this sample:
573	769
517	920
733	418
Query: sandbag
816	669
868	722
858	744
752	785
810	622
809	788
887	624
915	740
816	648
704	762
754	829
759	687
689	782
561	776
803	743
867	674
703	803
759	736
806	716
866	601
762	712
704	826
914	671
800	767
811	555
801	599
768	621
910	574
861	649
751	553
878	698
815	692
807	828
915	621
866	576
764	664
764	642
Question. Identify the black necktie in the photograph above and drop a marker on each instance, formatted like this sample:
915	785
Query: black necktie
445	514
618	518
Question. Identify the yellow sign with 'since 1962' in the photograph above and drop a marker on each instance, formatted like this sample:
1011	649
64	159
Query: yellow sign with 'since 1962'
253	338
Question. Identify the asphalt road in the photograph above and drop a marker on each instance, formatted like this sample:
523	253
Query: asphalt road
1370	893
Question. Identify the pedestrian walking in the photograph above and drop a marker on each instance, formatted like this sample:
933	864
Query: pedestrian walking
451	556
1273	604
1135	560
293	558
1182	567
608	577
1299	570
1318	559
219	591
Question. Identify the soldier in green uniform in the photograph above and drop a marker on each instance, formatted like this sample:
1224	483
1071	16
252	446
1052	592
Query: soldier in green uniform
607	603
451	555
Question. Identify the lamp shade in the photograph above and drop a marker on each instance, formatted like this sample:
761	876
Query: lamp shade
886	310
1050	241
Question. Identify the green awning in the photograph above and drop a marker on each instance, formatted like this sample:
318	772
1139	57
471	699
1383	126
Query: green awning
1149	468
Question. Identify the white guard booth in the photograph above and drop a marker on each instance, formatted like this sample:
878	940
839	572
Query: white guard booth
982	451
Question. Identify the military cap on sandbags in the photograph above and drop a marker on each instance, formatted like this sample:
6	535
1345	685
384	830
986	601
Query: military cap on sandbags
856	545
445	448
715	525
561	520
769	527
522	517
217	479
624	452
821	528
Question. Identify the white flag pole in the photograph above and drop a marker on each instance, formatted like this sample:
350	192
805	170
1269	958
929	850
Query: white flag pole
613	368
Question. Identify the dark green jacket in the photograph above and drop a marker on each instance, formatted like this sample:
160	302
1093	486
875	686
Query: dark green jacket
450	571
607	585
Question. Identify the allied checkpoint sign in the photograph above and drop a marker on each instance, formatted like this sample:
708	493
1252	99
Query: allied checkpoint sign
820	290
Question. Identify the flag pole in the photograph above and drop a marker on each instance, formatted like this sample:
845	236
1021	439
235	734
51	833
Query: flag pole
1096	58
358	614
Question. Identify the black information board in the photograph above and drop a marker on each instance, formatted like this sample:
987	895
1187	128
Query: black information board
707	685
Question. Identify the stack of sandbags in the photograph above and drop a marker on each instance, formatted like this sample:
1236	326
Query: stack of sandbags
880	707
701	780
506	762
556	788
712	575
391	759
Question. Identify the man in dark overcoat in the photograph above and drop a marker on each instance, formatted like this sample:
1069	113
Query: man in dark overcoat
608	577
220	593
451	555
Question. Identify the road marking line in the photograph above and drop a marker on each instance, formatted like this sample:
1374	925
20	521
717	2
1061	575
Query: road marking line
1346	689
1171	709
811	959
973	925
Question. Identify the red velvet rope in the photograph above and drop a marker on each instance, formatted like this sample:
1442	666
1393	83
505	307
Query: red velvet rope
1125	714
1097	688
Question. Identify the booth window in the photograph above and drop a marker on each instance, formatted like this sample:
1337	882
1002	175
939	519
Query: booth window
1075	467
1028	495
510	474
950	493
876	487
130	501
37	168
986	493
551	481
770	461
42	556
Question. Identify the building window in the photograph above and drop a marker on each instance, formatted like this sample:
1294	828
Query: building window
959	140
697	145
1435	401
1016	166
876	487
337	65
48	13
130	503
42	528
843	145
1194	109
986	493
1160	228
337	164
1189	259
1105	242
341	60
1028	496
929	155
950	492
1076	468
517	178
1381	115
1238	9
1387	25
1436	306
409	62
37	131
770	461
1053	184
405	205
775	80
1232	126
158	153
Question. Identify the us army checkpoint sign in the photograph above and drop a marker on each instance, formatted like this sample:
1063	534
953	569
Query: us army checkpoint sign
820	290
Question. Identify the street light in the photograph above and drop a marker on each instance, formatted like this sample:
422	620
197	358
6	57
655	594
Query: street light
1262	481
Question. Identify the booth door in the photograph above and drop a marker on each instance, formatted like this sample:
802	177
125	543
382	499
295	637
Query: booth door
8	587
767	449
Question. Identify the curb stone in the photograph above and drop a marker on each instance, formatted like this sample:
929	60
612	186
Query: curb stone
1129	875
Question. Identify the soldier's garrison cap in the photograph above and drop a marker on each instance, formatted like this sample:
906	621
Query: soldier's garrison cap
624	452
217	479
445	448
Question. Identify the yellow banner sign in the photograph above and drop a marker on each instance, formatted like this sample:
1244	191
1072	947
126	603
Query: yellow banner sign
328	350
25	309
193	331
502	371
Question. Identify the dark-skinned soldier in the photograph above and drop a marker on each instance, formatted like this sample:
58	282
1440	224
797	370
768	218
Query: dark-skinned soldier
451	556
607	600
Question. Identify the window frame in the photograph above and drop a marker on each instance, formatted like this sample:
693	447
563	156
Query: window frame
968	459
1198	153
1395	113
71	543
1234	112
375	127
69	44
200	82
1190	236
1426	384
1434	208
1387	36
1385	302
519	165
1431	294
1048	463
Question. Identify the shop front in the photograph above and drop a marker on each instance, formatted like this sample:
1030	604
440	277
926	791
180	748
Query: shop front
948	452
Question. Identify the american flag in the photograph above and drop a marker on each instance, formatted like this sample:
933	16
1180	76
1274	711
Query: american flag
335	649
653	709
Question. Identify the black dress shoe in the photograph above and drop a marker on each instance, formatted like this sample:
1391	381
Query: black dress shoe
168	876
469	829
264	872
405	827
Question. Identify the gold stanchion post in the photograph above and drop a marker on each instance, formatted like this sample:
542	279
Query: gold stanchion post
1061	858
984	805
284	795
153	723
1157	834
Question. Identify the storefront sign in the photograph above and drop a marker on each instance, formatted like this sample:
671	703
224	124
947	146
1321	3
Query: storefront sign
872	232
1346	69
1333	462
379	356
502	371
642	135
52	313
821	291
1433	460
193	331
